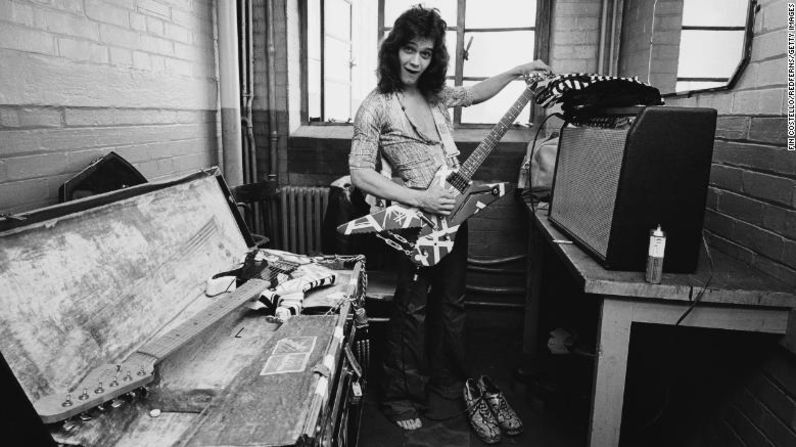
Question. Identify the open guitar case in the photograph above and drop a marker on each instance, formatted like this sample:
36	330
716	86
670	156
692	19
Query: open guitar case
108	184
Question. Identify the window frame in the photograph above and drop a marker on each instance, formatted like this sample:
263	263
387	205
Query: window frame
752	8
541	29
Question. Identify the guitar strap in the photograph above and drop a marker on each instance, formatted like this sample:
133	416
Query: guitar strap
448	145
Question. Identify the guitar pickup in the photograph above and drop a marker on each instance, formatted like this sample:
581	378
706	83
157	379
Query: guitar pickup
428	221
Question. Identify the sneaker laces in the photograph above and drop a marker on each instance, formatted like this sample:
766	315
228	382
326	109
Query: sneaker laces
460	413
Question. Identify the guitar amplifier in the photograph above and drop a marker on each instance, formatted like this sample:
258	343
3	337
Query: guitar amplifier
620	175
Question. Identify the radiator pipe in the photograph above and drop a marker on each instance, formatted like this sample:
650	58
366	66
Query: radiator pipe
608	36
230	92
603	36
245	44
242	82
248	98
250	102
274	135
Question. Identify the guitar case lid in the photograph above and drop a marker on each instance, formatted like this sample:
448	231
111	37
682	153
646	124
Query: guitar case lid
107	173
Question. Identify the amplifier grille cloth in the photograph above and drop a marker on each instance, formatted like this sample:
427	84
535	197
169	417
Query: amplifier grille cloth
587	178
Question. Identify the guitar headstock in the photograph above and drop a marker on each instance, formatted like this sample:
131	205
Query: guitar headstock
264	264
101	385
538	77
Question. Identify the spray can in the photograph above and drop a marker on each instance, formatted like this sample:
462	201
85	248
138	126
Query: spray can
655	256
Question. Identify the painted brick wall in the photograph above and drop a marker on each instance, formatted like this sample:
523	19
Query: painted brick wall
634	54
574	42
575	35
83	78
751	210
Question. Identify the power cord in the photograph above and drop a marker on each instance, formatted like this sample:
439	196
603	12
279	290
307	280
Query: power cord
668	390
698	297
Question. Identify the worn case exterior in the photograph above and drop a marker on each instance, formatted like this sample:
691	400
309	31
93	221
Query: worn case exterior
611	186
89	281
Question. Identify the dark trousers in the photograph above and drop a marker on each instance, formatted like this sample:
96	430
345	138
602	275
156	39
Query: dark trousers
425	337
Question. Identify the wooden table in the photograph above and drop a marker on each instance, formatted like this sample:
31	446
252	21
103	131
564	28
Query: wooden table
735	299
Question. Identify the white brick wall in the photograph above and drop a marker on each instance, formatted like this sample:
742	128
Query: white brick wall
575	36
752	211
83	78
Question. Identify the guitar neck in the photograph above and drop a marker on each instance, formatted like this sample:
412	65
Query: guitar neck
169	342
483	150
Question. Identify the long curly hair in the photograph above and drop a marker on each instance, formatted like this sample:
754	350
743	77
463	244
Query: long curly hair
416	22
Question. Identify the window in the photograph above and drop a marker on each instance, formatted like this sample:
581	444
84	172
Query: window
483	40
711	43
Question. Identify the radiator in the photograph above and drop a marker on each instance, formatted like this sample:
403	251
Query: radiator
298	218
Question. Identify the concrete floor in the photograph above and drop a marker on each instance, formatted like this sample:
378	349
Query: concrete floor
676	393
494	347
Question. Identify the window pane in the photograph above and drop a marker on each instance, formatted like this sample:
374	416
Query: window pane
509	14
710	54
314	31
684	86
314	88
394	8
338	101
495	52
314	60
493	110
338	19
450	43
365	49
714	12
336	60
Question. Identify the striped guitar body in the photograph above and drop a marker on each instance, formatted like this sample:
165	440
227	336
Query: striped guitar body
436	240
437	234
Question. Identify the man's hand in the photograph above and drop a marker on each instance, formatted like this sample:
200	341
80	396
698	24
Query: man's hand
437	200
531	68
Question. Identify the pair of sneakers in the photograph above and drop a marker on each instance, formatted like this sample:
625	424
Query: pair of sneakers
488	411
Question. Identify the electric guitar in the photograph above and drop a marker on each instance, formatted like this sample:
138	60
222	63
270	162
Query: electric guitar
265	269
437	233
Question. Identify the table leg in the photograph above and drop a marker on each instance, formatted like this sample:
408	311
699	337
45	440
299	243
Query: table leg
609	375
536	253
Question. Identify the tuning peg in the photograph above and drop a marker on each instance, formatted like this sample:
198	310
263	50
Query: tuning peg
68	401
101	407
127	377
69	425
99	389
84	396
85	417
115	382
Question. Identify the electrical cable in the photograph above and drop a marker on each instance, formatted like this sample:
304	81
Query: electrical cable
698	298
667	391
651	41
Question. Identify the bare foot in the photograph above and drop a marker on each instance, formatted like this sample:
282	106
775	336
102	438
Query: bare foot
410	424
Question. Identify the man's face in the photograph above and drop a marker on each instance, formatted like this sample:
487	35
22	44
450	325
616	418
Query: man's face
414	58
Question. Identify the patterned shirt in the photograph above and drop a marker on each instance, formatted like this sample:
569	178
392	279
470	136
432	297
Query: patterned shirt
383	129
